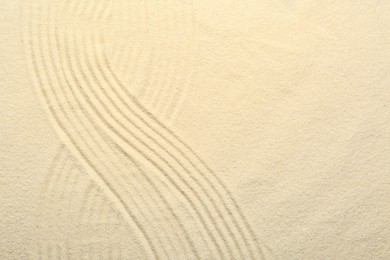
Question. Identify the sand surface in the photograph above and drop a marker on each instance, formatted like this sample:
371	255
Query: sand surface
194	129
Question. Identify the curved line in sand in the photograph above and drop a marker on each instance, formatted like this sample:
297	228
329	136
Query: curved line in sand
167	135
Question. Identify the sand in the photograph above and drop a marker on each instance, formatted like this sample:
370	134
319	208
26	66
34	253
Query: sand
194	129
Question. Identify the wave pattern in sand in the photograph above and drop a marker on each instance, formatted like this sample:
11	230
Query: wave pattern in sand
164	192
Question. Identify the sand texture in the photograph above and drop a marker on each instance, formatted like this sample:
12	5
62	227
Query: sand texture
194	129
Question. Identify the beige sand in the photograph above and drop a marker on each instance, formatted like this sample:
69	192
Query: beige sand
194	129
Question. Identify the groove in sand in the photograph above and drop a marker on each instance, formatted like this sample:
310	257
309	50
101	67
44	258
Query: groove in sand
97	95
